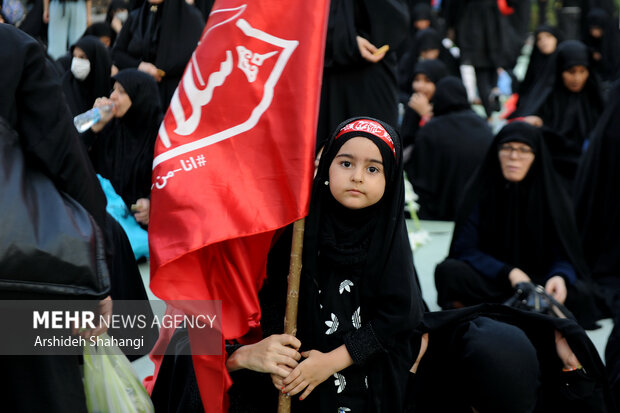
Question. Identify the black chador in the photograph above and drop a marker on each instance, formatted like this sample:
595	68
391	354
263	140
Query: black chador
447	152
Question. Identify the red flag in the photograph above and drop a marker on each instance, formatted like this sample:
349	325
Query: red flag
234	161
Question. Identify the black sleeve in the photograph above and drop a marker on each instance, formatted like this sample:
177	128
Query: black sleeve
120	54
49	139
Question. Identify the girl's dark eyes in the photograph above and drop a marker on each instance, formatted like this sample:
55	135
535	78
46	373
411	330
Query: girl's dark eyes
346	164
373	169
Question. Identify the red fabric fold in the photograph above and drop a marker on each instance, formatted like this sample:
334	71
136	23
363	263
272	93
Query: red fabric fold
234	163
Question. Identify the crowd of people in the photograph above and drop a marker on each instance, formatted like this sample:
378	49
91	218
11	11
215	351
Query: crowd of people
534	198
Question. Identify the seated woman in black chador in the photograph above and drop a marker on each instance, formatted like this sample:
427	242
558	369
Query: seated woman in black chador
89	77
603	39
122	143
568	101
597	208
515	225
447	152
419	109
427	45
546	43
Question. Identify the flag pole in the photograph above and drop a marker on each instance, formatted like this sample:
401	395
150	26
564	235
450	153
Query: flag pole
292	296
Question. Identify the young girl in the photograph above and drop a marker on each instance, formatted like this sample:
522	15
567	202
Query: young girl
360	299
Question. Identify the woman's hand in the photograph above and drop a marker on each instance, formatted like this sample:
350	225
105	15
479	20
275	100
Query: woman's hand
367	50
517	276
556	287
569	359
277	354
141	210
151	69
105	116
420	104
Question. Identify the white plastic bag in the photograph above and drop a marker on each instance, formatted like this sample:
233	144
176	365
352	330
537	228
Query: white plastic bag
111	384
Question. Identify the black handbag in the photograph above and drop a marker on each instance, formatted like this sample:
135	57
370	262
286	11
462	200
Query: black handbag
531	297
50	246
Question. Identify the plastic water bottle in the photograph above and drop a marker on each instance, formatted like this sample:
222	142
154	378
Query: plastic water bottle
86	120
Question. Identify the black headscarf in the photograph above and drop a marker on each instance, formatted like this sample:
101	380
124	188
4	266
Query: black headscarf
571	115
123	151
597	200
450	96
165	35
410	66
447	151
539	62
81	94
374	243
434	69
115	5
100	29
608	45
521	222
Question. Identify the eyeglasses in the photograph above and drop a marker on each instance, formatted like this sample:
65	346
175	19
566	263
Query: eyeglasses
522	151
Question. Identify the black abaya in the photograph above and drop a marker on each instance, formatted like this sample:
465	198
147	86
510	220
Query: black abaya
360	259
571	115
123	151
32	101
353	86
164	35
81	94
597	208
447	152
528	225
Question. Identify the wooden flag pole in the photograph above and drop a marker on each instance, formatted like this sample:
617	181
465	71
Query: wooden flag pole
292	296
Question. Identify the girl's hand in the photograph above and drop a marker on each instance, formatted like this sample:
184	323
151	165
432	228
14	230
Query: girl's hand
314	370
277	380
565	353
420	104
142	210
276	354
556	287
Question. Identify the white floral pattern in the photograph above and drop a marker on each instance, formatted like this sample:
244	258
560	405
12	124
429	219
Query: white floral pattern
356	319
340	382
333	325
345	286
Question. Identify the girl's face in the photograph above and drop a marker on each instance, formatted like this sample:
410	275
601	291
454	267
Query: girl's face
422	84
121	100
575	78
546	43
356	175
515	159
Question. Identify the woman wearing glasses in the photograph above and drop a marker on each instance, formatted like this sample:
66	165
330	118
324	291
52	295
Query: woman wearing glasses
515	225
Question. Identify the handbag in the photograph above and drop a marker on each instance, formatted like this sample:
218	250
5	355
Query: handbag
50	246
531	297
